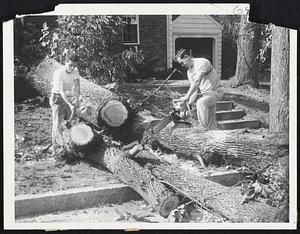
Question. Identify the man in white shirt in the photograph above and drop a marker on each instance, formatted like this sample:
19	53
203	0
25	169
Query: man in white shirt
203	78
64	95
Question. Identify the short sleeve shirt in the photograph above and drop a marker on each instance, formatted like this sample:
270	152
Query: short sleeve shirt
60	76
209	81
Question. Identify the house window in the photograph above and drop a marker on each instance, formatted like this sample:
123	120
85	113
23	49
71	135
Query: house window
131	29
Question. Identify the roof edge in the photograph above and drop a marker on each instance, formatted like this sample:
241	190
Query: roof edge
210	17
215	21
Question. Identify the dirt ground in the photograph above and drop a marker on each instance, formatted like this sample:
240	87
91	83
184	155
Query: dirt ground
38	172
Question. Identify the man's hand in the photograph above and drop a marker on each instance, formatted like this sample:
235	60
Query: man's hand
73	110
184	98
72	107
75	101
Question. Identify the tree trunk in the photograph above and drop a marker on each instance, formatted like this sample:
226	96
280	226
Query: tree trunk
156	180
279	104
100	106
248	49
255	149
222	200
102	151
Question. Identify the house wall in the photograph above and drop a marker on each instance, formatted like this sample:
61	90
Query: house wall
198	26
153	38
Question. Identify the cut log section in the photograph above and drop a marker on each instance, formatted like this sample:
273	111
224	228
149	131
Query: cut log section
101	151
81	134
100	105
151	180
114	113
254	149
223	201
169	204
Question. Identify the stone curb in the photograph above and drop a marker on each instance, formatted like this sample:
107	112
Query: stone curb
28	205
171	83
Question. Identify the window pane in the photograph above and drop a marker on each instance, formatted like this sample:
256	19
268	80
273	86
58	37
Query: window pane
130	33
134	33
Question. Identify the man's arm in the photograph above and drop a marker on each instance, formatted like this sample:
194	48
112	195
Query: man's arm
77	90
194	86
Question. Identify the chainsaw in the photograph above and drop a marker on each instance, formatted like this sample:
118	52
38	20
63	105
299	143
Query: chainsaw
174	116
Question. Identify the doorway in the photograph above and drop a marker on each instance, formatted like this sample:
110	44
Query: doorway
199	47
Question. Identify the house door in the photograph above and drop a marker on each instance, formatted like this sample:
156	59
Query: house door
200	47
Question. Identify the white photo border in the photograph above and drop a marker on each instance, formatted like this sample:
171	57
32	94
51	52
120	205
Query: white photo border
117	9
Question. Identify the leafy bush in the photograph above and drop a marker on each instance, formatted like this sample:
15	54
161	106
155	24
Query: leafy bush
91	37
22	86
27	49
28	52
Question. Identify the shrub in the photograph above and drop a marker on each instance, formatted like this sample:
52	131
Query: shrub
27	49
91	38
28	52
22	86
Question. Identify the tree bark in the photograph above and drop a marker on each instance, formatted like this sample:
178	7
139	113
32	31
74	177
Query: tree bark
255	149
222	200
155	180
279	104
248	49
93	97
102	151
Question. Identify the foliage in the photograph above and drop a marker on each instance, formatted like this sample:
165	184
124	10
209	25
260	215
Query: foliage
230	34
265	51
279	183
27	50
230	25
91	37
22	86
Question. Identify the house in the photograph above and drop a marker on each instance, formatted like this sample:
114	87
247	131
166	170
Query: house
161	36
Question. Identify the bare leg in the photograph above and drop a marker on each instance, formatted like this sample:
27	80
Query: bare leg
58	113
54	108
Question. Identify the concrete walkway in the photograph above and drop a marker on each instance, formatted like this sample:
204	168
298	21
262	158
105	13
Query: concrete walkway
71	199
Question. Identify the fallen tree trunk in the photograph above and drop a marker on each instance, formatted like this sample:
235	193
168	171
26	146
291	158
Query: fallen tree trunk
254	149
222	200
151	178
88	144
100	105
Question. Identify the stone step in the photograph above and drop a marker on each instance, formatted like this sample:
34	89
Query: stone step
232	114
223	115
225	105
236	124
222	105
